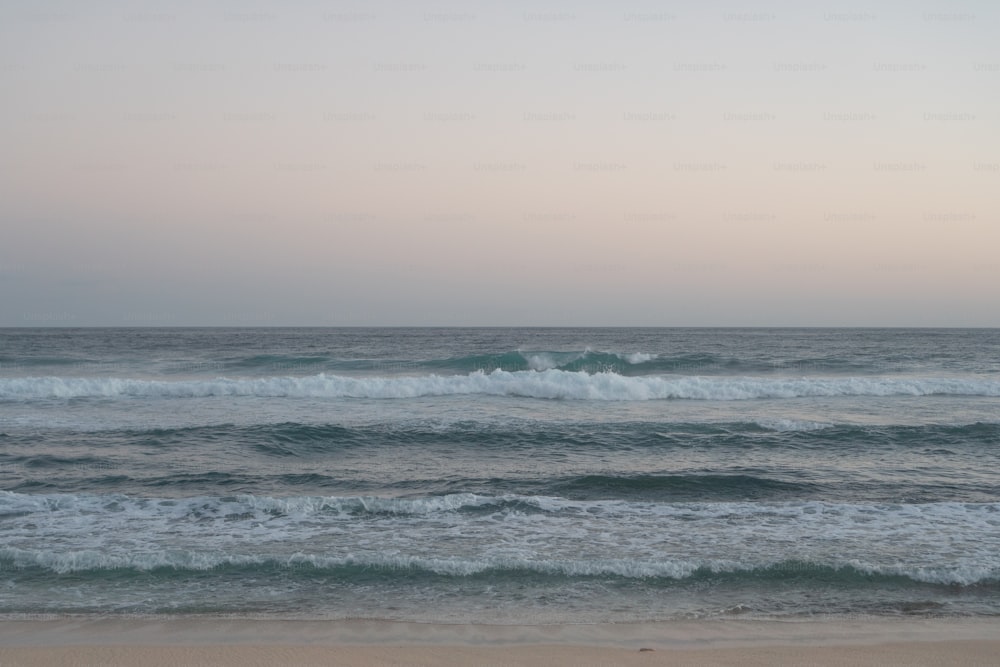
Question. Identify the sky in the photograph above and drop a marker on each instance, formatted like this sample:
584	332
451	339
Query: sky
500	163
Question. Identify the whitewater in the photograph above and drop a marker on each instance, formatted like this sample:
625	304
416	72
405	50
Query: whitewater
500	475
550	384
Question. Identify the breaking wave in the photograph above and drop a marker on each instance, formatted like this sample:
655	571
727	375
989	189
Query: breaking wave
544	384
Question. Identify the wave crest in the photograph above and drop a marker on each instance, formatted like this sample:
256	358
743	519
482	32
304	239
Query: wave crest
853	570
546	384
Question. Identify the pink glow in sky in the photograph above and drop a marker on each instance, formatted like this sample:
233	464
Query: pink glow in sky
391	163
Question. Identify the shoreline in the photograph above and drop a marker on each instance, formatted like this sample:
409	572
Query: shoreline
217	641
711	633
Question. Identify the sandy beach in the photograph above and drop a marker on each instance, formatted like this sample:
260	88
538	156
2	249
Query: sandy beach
194	641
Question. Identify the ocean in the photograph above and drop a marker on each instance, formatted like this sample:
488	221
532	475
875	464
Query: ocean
503	475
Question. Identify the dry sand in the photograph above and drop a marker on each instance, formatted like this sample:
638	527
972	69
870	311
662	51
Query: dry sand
222	642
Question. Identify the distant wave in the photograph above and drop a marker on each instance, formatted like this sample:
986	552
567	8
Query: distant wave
631	363
587	360
545	384
583	433
512	360
783	425
239	505
297	458
700	486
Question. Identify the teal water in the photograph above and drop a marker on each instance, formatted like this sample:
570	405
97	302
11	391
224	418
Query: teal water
500	475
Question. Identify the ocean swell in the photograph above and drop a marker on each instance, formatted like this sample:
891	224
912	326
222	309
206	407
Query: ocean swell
546	384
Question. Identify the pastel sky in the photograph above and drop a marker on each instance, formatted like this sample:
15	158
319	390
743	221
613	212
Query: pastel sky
500	163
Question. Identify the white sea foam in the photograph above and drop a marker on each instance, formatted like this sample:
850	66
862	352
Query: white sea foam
666	567
543	361
792	425
946	543
548	384
307	505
